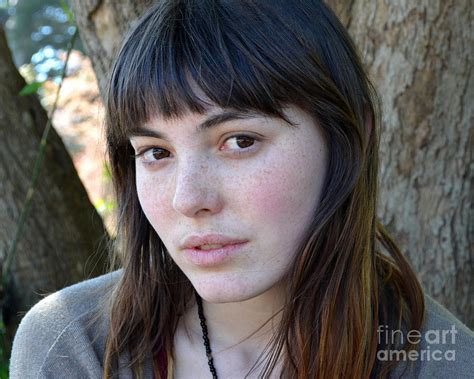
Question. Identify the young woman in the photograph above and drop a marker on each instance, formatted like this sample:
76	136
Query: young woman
243	140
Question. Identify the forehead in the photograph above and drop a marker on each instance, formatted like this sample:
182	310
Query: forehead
200	122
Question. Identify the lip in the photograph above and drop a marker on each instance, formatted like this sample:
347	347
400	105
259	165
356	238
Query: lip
192	242
213	257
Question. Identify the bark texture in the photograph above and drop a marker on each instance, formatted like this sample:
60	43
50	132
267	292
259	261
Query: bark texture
63	233
419	54
102	26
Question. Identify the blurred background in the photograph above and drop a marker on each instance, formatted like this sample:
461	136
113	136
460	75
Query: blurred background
38	33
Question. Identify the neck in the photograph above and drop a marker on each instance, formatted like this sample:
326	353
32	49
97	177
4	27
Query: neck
243	328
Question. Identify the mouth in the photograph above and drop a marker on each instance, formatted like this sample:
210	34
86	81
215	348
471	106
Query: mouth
210	247
208	255
209	242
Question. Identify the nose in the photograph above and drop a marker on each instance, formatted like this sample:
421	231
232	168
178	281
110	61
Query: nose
196	190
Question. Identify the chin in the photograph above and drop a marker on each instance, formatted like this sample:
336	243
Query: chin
226	290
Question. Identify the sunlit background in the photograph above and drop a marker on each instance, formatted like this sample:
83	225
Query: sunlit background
38	33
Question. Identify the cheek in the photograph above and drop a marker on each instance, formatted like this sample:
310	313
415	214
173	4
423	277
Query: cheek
268	197
287	193
151	198
144	192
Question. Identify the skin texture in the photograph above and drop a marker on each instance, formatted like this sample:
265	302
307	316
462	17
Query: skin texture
266	193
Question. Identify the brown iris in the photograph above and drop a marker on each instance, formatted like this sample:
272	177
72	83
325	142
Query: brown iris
244	141
159	153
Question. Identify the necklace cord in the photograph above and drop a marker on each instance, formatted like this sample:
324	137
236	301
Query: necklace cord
205	336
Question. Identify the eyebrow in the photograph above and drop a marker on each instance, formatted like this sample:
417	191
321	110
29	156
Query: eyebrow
208	123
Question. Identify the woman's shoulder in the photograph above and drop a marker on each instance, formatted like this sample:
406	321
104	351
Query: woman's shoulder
448	342
65	332
437	316
446	346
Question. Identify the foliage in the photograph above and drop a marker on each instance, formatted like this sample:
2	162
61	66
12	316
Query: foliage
30	88
37	31
103	206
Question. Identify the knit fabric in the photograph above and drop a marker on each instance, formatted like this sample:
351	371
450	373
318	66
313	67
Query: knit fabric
63	336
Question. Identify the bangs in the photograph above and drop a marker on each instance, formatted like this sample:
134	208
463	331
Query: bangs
186	56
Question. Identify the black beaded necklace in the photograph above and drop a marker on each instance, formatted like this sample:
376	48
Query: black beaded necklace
207	345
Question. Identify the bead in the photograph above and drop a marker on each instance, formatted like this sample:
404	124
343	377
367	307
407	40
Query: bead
207	345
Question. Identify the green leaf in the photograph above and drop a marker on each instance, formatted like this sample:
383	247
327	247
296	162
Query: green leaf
67	10
103	206
30	88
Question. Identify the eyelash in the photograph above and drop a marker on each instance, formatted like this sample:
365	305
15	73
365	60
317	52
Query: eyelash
239	152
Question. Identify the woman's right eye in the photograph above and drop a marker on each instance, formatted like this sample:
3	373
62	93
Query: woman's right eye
152	155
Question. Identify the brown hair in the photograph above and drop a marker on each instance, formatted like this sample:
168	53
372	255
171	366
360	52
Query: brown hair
349	277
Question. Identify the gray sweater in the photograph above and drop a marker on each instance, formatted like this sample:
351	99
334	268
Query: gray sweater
63	336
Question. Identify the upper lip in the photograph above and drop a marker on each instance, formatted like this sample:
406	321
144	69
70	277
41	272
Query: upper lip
209	239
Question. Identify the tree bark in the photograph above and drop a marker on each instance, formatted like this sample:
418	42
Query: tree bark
419	55
61	241
102	26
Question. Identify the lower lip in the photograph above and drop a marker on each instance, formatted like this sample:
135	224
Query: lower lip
212	257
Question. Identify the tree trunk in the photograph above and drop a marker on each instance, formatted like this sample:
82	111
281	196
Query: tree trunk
418	53
420	56
63	233
102	25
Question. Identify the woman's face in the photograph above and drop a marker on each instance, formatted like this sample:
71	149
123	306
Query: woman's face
246	185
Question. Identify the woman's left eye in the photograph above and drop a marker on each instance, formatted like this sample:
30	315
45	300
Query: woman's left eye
240	142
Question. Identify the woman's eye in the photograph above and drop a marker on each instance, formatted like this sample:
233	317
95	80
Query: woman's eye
240	142
235	144
154	154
